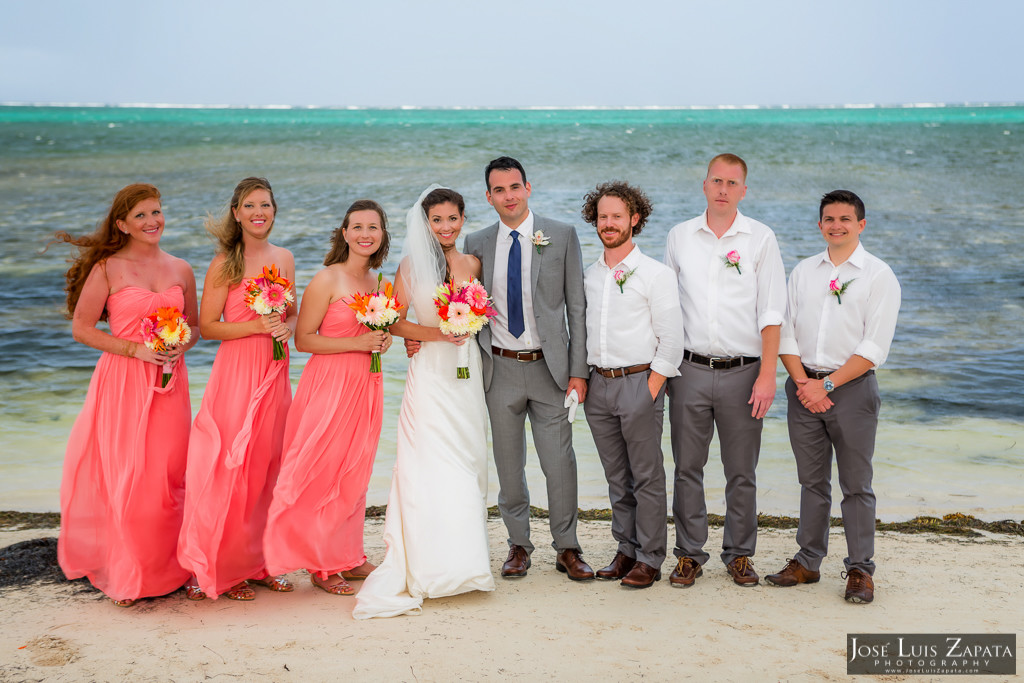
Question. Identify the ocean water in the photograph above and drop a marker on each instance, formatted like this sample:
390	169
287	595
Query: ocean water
941	184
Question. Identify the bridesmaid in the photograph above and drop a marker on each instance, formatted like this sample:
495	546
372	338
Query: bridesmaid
316	519
235	448
124	470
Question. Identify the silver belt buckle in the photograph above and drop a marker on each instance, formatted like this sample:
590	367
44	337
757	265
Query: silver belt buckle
711	362
520	359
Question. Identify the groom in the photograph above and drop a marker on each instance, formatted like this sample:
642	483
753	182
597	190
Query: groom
533	268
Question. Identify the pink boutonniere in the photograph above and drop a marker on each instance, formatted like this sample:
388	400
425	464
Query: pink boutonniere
732	260
837	290
621	276
540	240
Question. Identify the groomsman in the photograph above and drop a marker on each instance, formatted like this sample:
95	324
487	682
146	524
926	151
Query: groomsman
843	305
533	363
732	288
634	343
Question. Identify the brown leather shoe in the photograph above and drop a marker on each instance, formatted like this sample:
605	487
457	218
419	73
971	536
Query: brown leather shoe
620	566
641	576
742	572
792	574
571	563
517	563
860	587
686	572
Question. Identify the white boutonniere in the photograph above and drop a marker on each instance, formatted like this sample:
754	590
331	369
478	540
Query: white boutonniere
540	240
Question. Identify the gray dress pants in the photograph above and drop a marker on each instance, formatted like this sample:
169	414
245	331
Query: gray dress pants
849	429
701	399
519	389
627	427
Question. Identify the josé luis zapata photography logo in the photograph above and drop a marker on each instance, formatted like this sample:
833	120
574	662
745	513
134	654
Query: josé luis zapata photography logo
931	653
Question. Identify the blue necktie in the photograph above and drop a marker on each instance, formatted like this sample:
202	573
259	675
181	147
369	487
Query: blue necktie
514	289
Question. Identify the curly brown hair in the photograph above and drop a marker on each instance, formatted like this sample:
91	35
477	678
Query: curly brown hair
339	247
106	241
635	199
228	231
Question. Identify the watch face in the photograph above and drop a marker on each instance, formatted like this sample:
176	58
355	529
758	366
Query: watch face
829	386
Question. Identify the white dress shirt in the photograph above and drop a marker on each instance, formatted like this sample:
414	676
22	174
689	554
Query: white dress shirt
825	332
500	335
642	323
725	308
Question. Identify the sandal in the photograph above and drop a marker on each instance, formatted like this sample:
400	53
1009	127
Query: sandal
123	603
352	575
194	592
242	591
275	583
340	588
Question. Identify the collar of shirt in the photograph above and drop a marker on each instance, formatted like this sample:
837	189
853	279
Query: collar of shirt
631	260
525	229
856	259
739	224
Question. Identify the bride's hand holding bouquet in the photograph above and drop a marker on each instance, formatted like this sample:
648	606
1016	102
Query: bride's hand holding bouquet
464	309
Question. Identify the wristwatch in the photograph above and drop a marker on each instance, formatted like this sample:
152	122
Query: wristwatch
829	386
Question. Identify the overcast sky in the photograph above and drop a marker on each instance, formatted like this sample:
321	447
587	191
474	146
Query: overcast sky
528	53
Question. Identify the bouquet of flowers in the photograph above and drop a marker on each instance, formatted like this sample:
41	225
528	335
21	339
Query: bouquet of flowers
269	293
378	311
163	329
464	309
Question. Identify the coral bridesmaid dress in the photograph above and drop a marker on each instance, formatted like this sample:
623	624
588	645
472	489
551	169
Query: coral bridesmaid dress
316	519
234	456
124	470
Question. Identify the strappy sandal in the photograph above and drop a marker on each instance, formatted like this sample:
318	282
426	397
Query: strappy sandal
242	591
194	592
340	588
123	603
275	583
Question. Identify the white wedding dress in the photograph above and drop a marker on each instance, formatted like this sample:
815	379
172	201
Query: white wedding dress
436	524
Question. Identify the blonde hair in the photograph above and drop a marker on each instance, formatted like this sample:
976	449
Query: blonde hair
730	159
228	231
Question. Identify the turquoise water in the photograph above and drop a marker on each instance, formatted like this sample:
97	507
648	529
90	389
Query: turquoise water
942	186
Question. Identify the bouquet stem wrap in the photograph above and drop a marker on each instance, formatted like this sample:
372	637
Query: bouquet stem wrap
462	363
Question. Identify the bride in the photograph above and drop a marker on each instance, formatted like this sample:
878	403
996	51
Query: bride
436	525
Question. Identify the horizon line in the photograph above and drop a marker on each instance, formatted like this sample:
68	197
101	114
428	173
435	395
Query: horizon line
582	107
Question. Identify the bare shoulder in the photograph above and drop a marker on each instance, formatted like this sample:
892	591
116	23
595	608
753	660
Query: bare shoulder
471	264
181	266
284	260
218	260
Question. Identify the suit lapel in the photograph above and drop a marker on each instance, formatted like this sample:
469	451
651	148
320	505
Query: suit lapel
487	255
538	255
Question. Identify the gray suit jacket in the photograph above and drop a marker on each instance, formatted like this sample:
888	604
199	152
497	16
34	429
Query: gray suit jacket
556	278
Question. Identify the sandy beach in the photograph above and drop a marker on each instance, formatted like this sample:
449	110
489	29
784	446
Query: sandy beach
542	627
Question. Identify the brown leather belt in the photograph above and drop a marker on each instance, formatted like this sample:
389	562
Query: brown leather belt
817	374
822	374
719	363
521	356
622	372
